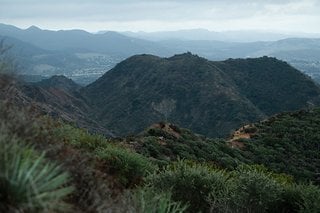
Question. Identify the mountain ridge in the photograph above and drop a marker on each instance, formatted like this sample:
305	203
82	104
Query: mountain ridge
199	94
85	57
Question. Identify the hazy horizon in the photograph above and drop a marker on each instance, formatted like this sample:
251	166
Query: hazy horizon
286	17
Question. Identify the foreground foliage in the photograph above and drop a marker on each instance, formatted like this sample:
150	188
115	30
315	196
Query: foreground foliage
145	173
28	182
290	143
246	189
148	200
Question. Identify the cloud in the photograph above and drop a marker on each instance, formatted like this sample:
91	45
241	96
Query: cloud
163	14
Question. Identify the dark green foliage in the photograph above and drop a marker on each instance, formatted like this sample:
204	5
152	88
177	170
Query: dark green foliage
271	85
129	167
246	189
310	198
289	143
79	138
255	190
168	145
7	67
149	200
191	183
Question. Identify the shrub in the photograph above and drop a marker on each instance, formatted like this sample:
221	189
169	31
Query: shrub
79	138
310	198
193	184
129	166
27	181
255	189
148	200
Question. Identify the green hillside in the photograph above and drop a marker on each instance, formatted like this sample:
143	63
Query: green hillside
271	85
210	98
164	169
287	142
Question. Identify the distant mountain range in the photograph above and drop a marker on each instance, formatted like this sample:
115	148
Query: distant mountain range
84	56
227	36
77	54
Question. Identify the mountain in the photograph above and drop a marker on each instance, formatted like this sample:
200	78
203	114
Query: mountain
211	98
60	82
204	34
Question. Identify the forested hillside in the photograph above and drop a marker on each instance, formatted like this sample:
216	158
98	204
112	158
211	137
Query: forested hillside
211	98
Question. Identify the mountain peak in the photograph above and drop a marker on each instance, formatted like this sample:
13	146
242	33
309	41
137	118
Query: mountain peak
33	28
187	55
60	82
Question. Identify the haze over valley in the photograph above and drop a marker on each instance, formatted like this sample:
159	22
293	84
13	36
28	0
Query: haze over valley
84	57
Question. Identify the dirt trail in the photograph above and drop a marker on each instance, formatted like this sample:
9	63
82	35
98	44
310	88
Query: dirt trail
241	133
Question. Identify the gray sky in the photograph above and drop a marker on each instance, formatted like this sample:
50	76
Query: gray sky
157	15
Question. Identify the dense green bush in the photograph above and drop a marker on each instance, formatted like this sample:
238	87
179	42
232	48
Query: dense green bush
246	189
28	183
189	146
127	165
79	138
288	142
255	189
310	198
149	200
193	184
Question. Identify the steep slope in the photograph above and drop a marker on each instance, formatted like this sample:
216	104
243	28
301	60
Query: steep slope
193	92
109	173
287	142
48	97
60	82
271	85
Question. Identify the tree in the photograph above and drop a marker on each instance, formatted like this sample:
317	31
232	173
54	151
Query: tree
5	63
165	107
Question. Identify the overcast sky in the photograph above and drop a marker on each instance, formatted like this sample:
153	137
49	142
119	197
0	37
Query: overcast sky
158	15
